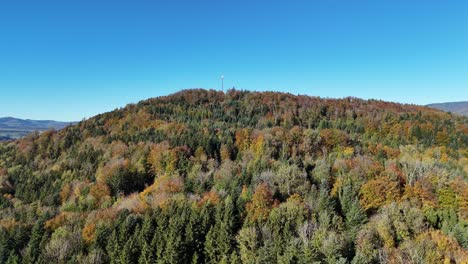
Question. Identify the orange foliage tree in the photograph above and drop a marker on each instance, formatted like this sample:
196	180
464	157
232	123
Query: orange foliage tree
260	206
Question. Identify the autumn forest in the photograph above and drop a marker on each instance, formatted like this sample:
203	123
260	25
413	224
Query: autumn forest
202	176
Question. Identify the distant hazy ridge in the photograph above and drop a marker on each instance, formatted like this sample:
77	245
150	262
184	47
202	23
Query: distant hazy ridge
11	128
454	107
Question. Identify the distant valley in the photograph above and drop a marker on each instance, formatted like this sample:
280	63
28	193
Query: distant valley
13	128
454	107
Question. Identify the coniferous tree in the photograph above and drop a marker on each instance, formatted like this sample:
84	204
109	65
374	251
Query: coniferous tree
354	215
113	248
219	240
13	258
129	252
33	249
146	255
4	245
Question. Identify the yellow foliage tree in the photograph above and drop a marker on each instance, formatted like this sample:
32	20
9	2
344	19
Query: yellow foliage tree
89	233
378	192
242	139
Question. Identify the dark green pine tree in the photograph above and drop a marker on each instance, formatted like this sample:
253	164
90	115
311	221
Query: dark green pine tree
146	232
158	242
33	249
220	239
130	252
147	255
211	249
127	228
144	240
196	231
113	249
4	246
102	237
227	230
19	237
195	259
353	214
192	235
13	258
234	258
174	247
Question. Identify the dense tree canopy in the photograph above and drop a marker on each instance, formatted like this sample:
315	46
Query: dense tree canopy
240	177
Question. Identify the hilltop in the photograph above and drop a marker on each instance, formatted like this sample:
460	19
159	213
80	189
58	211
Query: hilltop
202	176
454	107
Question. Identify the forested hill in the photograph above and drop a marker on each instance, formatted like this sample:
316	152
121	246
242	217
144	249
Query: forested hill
243	177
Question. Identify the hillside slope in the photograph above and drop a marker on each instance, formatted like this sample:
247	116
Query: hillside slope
243	177
13	128
454	107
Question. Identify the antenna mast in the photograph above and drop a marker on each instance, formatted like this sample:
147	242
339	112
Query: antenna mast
222	83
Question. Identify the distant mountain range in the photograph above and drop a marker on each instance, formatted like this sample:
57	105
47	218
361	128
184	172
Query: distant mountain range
12	128
454	107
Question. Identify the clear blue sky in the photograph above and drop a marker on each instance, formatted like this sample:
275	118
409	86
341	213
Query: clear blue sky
66	60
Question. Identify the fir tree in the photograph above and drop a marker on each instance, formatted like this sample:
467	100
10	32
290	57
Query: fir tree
33	249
